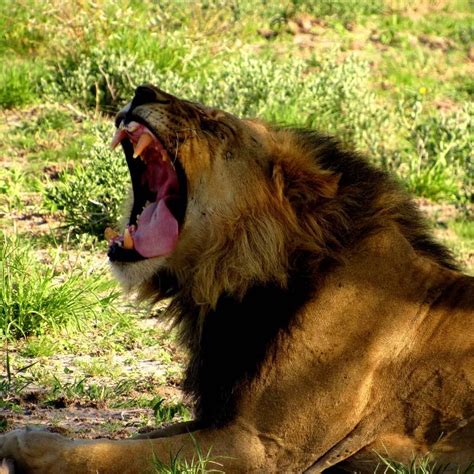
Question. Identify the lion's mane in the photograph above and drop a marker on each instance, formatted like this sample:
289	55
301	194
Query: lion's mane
233	298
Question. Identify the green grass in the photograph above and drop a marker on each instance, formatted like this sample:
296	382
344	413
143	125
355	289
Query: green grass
464	229
49	135
80	390
95	65
165	411
14	184
419	465
18	82
202	463
39	297
91	193
442	167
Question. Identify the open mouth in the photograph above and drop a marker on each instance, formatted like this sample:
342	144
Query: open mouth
159	195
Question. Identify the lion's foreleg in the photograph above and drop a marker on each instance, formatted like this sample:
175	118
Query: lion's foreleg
47	453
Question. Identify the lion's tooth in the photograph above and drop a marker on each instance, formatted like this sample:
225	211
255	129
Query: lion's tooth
132	126
118	137
110	233
164	155
127	239
142	144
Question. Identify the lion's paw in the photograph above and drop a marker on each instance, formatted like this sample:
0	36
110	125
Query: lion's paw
33	451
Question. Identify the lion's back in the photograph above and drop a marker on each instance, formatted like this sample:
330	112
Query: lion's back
453	314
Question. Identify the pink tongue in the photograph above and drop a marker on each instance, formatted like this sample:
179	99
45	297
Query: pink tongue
157	231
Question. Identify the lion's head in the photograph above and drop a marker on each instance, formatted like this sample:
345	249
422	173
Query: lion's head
211	205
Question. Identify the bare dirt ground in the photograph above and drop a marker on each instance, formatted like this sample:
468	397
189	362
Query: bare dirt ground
73	415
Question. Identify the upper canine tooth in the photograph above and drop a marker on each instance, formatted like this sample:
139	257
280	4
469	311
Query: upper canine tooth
118	137
142	144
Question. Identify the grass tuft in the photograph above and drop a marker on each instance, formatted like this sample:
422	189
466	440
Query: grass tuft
202	463
18	83
419	465
165	411
37	298
442	166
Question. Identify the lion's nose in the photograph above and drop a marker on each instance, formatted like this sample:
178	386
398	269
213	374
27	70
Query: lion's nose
147	93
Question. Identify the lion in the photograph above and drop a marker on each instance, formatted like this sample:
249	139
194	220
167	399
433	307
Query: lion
325	326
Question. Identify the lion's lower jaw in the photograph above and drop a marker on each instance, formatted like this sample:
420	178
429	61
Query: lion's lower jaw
134	275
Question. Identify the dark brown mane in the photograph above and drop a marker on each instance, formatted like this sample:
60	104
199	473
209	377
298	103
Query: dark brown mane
370	197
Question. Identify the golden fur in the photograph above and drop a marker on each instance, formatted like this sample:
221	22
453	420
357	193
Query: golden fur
324	325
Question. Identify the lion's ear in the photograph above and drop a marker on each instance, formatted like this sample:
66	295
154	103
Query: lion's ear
299	183
278	180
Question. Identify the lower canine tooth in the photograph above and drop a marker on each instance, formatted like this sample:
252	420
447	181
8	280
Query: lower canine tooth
110	233
127	240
